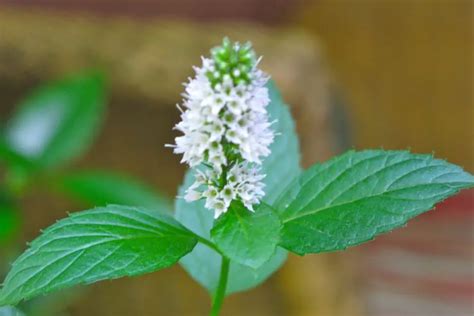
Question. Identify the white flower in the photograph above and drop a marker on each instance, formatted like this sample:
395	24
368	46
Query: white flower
244	183
192	195
225	127
228	194
249	185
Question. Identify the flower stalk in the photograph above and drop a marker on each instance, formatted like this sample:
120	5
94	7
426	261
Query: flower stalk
219	295
226	135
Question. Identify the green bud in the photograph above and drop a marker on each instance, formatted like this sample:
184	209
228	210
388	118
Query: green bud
234	60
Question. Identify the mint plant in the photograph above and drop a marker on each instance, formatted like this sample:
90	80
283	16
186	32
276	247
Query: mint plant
244	203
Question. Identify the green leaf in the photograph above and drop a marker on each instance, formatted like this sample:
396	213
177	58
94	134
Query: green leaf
9	221
102	188
103	243
57	122
283	164
248	238
203	264
359	195
12	158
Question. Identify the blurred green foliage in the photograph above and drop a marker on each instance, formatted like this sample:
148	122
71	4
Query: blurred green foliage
53	126
9	221
103	187
57	122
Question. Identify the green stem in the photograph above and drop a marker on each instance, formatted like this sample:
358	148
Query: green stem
221	287
209	244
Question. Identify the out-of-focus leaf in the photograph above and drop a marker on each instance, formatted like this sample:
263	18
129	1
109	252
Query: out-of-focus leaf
101	188
9	221
52	304
10	311
203	264
283	164
56	123
12	158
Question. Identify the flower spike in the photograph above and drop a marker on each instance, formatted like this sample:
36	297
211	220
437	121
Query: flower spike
225	128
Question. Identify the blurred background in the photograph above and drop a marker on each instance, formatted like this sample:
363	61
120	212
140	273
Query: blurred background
396	74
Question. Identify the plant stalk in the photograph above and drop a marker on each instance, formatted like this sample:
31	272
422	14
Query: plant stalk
221	287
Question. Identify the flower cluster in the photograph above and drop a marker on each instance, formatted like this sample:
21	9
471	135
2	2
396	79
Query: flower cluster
225	128
243	182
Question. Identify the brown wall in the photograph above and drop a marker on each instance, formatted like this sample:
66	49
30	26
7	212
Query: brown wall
267	11
407	70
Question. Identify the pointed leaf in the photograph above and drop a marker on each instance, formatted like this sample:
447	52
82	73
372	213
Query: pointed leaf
203	263
103	243
359	195
56	123
248	238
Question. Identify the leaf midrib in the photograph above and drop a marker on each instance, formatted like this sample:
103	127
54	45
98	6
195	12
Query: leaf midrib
351	166
326	207
343	172
62	256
